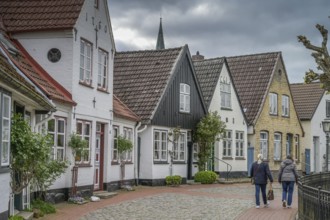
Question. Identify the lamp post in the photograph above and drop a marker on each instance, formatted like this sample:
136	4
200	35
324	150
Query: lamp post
326	129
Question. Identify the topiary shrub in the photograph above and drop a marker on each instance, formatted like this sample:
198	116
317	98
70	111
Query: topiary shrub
173	180
44	207
205	177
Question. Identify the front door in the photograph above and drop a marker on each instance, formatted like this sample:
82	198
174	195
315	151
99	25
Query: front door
190	160
308	161
98	161
316	156
250	158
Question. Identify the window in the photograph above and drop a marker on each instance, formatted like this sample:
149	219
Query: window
227	140
264	144
285	105
115	143
85	75
57	129
296	147
225	94
179	148
5	114
239	144
328	108
84	131
272	103
195	152
184	98
96	3
128	134
102	76
160	145
277	146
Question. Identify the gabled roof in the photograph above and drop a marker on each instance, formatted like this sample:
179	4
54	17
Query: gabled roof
141	77
26	64
208	73
306	98
252	75
121	110
34	15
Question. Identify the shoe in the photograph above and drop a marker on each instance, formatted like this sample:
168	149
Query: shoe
284	203
267	205
257	207
289	207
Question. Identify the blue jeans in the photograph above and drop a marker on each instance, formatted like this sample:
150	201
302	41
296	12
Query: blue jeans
287	191
263	192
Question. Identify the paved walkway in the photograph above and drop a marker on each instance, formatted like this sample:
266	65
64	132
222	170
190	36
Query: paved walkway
187	202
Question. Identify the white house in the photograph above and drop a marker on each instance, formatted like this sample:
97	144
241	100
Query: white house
230	153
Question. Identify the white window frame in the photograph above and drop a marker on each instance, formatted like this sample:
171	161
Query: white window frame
86	60
264	144
297	147
160	145
179	148
273	103
239	143
115	156
184	98
327	108
195	152
285	105
128	134
227	143
277	146
225	94
102	75
5	104
86	136
56	134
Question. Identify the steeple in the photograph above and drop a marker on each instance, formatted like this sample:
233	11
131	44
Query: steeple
160	40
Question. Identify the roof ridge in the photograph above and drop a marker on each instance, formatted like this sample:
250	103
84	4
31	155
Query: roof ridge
210	59
255	54
151	50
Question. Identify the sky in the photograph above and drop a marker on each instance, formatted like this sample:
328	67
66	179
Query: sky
218	28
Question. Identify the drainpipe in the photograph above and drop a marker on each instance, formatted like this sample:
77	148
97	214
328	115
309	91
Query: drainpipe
137	152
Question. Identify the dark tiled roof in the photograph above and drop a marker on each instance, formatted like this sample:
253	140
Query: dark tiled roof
121	110
208	72
306	98
140	78
251	75
33	15
39	76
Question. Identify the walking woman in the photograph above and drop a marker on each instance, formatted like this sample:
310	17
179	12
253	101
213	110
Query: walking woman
287	176
260	172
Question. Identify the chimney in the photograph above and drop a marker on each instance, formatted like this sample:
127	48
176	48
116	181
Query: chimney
197	57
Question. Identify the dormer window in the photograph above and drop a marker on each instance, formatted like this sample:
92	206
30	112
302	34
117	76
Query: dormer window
273	103
184	98
85	75
225	94
102	75
285	105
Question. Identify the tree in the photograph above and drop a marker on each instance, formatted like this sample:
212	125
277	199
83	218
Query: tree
173	137
208	131
31	160
124	146
322	59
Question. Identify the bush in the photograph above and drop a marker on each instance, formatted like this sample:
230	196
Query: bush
173	180
205	177
16	217
43	206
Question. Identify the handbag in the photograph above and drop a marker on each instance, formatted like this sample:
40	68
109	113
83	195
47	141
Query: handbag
270	195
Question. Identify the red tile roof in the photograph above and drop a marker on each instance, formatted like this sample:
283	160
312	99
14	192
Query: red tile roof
34	15
306	98
121	110
252	75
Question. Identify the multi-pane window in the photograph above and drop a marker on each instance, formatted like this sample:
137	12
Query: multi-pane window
277	146
225	94
227	142
273	103
84	131
179	148
115	155
128	134
184	98
239	144
102	75
160	145
56	128
5	103
296	147
264	144
285	105
195	152
85	75
327	104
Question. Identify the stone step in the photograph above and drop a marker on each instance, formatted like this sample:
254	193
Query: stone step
104	194
26	215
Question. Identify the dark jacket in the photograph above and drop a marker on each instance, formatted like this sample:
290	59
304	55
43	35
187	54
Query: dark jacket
260	172
288	171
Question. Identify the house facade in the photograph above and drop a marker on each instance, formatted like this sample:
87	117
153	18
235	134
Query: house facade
274	129
161	87
313	107
230	153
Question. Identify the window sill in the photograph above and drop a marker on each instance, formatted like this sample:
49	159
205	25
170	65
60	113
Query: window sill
114	163
179	162
240	158
86	85
273	114
186	113
278	160
285	116
103	90
227	158
161	162
226	109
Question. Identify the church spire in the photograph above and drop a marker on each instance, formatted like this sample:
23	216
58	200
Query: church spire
160	40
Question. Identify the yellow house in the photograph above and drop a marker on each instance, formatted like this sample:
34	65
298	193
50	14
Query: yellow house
274	129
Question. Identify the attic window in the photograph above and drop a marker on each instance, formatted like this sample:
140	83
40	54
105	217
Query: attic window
54	55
